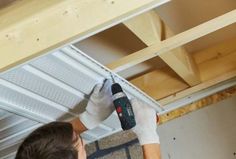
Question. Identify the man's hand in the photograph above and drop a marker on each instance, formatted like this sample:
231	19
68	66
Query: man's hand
145	129
99	107
146	126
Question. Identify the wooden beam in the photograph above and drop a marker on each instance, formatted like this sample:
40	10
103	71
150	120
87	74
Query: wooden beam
181	61
147	27
217	60
160	83
31	28
197	88
215	98
150	29
186	69
174	42
216	64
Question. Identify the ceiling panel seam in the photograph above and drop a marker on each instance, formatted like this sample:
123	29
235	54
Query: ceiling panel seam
30	68
21	132
13	124
17	136
70	61
35	96
5	116
25	113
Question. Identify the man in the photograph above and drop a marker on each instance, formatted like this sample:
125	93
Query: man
61	140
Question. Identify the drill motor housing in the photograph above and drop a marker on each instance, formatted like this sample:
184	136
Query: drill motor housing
123	107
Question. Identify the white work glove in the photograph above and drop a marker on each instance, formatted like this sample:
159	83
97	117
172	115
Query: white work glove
99	107
146	126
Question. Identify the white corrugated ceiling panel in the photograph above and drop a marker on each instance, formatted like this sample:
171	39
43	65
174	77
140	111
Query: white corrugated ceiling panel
53	87
13	128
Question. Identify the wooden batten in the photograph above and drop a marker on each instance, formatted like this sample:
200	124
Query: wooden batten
151	29
174	42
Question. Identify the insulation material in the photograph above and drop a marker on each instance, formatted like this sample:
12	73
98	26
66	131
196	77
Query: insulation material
53	87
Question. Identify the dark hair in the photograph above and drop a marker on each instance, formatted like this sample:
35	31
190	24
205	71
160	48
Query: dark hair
51	141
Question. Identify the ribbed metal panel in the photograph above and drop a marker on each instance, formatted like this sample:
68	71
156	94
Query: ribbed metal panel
9	152
13	129
14	95
16	127
27	78
49	88
74	75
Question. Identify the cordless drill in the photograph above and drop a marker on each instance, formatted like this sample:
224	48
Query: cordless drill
123	107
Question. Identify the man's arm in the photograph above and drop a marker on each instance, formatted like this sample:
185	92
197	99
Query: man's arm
145	129
78	126
151	151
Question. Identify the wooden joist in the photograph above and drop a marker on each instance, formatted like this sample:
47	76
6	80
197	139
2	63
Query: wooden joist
216	64
31	28
217	97
147	27
150	29
174	42
204	85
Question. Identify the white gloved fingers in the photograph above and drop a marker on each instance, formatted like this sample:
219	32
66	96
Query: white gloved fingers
106	89
97	89
100	105
102	89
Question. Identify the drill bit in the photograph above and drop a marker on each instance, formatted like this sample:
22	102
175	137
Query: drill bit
113	80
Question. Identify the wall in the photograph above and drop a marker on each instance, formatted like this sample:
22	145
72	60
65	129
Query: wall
208	133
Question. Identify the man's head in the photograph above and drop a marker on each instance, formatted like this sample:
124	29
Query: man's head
55	140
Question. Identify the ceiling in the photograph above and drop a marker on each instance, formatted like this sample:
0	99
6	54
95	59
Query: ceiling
53	87
56	86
